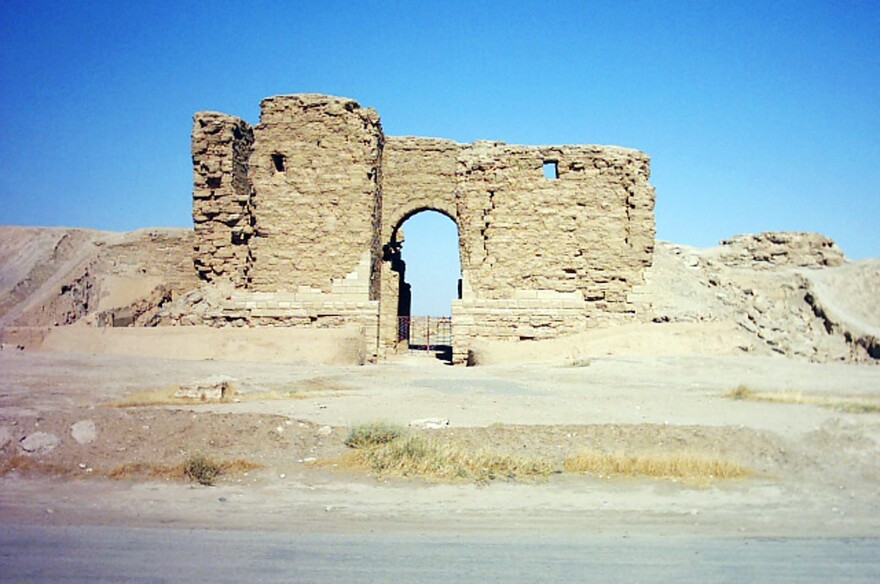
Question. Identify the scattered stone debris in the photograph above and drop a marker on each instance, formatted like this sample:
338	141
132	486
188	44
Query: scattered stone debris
216	387
430	423
781	248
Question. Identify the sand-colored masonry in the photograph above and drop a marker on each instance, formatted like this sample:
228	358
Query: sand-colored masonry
301	213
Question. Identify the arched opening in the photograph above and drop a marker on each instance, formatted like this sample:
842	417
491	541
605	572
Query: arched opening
424	252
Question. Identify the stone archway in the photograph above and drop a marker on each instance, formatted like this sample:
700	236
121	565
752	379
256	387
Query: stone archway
395	297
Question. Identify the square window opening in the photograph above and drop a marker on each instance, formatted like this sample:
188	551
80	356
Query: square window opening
278	162
551	169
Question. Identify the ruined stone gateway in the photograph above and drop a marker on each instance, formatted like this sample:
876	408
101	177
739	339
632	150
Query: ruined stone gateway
301	214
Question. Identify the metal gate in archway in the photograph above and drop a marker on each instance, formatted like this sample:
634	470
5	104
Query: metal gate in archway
425	333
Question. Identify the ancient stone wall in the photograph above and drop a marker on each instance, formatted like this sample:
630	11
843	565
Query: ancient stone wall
552	239
221	148
552	251
417	174
590	230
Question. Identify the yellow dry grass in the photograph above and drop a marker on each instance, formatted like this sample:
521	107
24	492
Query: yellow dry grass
26	465
160	396
416	456
178	471
673	465
843	404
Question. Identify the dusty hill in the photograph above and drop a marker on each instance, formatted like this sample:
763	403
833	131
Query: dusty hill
794	293
788	293
58	276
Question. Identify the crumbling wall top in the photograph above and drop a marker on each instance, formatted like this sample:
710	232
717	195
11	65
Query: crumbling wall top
281	108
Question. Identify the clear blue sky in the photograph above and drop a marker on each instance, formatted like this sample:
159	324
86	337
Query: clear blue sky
757	115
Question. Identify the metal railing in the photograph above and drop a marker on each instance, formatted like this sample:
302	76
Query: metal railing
425	333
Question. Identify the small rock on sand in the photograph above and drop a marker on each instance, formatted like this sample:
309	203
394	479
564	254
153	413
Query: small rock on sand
430	423
39	442
84	431
212	388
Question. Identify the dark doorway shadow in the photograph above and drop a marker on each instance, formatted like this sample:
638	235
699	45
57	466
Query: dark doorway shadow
443	353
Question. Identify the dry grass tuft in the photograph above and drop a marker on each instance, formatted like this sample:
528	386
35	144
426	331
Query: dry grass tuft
849	405
199	468
162	396
239	466
147	469
740	392
416	456
681	466
27	465
373	434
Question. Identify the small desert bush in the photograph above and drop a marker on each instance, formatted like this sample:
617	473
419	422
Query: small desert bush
684	466
373	434
842	404
202	469
416	456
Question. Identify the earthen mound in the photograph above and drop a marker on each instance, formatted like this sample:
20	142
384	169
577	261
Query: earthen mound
778	292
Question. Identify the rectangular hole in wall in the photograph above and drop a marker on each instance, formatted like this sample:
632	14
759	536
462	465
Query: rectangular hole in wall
278	162
551	169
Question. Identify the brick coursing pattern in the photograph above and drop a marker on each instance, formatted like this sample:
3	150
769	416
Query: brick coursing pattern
307	204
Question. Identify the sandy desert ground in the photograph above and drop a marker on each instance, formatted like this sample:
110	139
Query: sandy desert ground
817	469
650	387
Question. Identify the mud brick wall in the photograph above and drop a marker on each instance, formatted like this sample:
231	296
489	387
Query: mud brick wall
591	229
418	173
320	194
316	203
169	252
221	148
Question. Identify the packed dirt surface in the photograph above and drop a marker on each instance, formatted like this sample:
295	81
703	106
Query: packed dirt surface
93	351
816	469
